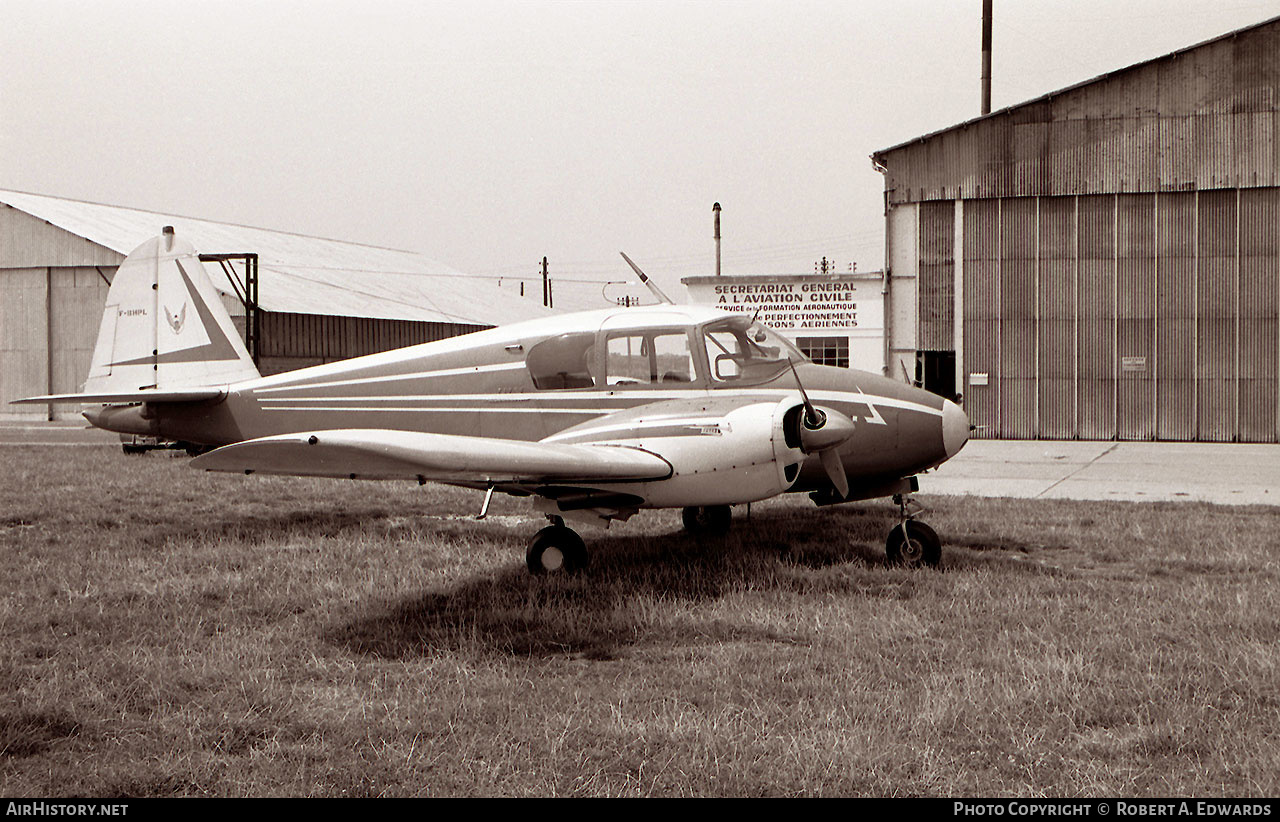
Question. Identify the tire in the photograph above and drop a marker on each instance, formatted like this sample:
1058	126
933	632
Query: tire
919	546
707	520
556	550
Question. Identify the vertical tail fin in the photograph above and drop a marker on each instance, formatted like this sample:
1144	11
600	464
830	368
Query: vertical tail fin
164	326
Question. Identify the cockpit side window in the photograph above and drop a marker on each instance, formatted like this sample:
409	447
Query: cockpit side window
562	362
742	349
649	358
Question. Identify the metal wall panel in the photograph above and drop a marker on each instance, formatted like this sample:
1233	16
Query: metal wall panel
1216	310
1056	277
1259	393
292	341
900	310
982	315
1096	318
1135	316
936	307
24	335
1018	318
27	241
1175	309
75	312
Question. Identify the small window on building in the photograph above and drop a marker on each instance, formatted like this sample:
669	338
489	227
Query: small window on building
562	362
825	350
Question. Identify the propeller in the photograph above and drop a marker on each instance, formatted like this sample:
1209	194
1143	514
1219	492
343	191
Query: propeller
823	431
650	284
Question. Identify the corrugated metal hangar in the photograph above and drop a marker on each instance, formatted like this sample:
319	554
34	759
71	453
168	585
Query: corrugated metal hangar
318	300
1102	262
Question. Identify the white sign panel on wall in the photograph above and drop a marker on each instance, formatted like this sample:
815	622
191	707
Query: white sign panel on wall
808	308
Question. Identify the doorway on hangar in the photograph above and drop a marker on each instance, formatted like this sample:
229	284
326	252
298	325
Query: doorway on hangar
936	372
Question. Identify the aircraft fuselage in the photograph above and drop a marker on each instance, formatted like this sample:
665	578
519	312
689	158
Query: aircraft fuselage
502	383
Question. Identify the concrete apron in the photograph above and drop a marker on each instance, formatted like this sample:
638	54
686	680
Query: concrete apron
1137	471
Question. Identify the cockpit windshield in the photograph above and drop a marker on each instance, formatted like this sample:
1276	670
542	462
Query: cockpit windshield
740	349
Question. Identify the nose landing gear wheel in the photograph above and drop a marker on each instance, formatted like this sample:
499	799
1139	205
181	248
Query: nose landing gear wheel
913	545
707	520
556	550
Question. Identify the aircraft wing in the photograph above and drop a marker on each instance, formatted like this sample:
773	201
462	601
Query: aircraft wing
128	397
387	454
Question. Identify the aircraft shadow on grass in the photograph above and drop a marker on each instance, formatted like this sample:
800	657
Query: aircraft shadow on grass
587	615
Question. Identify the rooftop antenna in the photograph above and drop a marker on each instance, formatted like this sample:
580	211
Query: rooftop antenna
715	210
657	292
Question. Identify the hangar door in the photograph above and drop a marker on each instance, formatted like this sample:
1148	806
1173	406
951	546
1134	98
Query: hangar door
1114	316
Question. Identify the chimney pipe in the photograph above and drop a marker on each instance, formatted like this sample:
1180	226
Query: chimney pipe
986	56
715	210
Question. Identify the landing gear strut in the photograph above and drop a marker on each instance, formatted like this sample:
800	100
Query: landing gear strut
707	520
556	549
911	543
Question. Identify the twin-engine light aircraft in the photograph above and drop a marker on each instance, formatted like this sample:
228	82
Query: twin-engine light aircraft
595	415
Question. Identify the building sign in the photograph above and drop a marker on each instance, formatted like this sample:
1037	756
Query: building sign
803	306
841	313
1131	364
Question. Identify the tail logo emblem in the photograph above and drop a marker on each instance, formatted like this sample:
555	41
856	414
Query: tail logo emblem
176	321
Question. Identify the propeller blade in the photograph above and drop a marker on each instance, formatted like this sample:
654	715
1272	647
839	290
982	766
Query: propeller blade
823	431
812	417
650	284
835	470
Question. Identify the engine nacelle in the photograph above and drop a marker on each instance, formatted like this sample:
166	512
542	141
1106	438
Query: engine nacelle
743	455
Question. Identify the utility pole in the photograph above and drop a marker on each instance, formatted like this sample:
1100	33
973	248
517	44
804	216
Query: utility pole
546	285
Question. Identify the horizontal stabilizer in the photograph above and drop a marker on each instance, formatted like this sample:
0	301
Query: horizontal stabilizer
386	454
130	397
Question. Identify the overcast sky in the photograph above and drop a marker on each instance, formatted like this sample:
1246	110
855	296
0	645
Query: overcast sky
489	134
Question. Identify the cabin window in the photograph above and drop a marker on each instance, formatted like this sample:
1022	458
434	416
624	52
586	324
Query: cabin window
649	358
562	362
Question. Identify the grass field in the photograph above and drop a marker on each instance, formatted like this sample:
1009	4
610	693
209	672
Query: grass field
167	632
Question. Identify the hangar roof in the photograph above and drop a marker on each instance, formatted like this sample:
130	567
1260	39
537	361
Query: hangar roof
1202	117
1052	95
298	273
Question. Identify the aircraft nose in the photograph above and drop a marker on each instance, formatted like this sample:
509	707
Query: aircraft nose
955	428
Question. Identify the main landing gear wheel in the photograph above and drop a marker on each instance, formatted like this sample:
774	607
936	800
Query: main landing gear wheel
913	544
707	520
556	550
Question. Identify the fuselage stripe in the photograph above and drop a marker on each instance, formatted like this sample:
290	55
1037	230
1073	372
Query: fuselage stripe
437	409
419	375
622	399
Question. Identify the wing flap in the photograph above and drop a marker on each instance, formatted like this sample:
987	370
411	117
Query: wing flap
386	454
